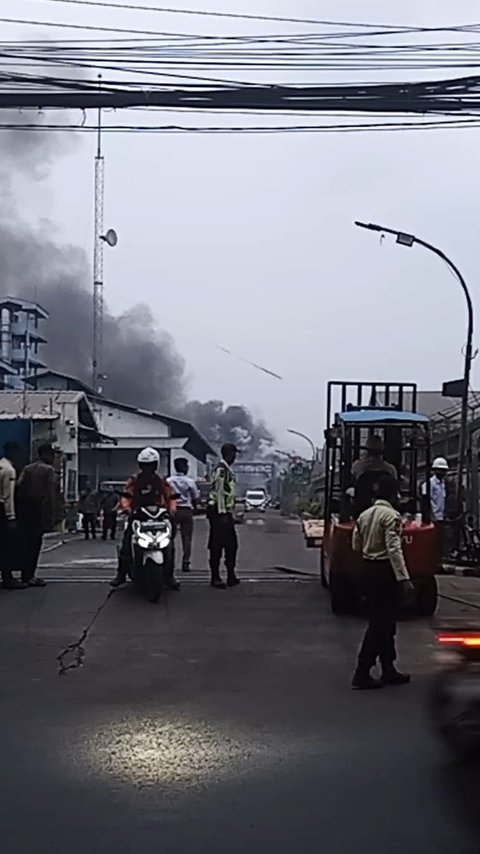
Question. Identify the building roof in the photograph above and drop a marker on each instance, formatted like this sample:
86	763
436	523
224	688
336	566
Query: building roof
43	405
180	429
74	383
381	416
16	304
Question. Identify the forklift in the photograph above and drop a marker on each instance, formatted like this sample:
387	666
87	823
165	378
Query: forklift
355	412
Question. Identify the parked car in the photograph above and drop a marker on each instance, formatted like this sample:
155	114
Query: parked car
256	500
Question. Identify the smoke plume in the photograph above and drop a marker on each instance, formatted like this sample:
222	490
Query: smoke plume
141	363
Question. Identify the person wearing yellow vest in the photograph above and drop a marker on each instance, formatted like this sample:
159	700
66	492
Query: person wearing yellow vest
221	504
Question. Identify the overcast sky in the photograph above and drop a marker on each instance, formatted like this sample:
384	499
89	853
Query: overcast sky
248	241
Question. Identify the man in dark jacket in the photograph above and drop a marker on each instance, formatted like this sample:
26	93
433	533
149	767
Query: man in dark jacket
89	506
109	507
36	511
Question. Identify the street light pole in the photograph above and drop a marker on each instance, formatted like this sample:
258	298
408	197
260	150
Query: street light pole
409	240
307	439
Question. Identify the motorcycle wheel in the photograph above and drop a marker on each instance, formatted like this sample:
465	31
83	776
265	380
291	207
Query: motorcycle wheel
153	581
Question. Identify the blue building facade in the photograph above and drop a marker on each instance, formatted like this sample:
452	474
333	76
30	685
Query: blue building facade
20	341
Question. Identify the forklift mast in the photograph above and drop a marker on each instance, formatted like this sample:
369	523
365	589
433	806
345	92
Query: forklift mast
347	396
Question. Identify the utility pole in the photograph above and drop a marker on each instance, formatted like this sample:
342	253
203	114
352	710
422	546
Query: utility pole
98	260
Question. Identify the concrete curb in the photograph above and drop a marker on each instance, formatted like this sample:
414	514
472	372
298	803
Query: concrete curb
461	571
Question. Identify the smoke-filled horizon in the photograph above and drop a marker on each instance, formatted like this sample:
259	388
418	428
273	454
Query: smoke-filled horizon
141	363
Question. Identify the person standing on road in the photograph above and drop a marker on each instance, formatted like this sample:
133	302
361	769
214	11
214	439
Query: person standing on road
377	535
220	510
88	506
8	526
109	507
438	501
36	511
187	493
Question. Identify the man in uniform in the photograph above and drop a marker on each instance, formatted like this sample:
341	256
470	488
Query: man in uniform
220	510
438	500
377	535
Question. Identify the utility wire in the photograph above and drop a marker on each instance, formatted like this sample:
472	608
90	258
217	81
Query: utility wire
214	14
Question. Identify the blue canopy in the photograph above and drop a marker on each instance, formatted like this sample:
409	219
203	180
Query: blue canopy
380	416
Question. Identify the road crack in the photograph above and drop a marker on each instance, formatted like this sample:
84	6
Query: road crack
73	656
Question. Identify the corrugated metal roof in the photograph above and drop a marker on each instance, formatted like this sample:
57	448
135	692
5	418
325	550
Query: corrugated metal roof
36	405
381	416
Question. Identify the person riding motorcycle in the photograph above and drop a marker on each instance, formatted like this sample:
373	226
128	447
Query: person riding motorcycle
145	489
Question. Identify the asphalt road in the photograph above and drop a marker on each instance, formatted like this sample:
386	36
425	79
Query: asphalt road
216	721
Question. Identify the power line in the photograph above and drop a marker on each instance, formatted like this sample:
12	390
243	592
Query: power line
419	125
214	14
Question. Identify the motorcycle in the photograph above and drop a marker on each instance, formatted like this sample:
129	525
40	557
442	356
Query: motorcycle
152	541
455	695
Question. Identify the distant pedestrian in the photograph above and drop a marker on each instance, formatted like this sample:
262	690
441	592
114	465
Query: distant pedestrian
8	526
377	535
88	506
438	502
36	511
220	510
187	494
109	505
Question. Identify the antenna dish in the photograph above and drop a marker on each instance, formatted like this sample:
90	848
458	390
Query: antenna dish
111	237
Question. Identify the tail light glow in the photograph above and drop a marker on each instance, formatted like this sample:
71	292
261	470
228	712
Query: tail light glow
471	641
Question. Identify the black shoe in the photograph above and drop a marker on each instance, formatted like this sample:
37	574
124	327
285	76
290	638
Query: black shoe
118	580
36	582
218	584
186	567
362	681
233	581
173	584
14	584
392	676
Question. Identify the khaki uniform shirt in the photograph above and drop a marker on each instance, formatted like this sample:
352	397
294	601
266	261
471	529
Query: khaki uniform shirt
378	535
8	477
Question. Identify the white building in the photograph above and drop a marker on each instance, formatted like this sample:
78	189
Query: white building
124	430
64	418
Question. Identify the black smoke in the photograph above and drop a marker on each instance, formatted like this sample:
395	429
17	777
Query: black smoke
140	361
220	423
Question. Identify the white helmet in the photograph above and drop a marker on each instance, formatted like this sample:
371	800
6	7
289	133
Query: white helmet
148	455
440	463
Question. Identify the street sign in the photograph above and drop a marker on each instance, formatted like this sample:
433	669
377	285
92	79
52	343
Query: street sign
453	388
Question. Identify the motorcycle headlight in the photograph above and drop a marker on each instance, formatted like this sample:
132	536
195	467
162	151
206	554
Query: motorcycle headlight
162	540
145	541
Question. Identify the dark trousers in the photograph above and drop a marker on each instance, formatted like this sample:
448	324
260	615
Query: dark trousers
89	525
6	546
30	543
222	539
109	525
184	526
381	589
